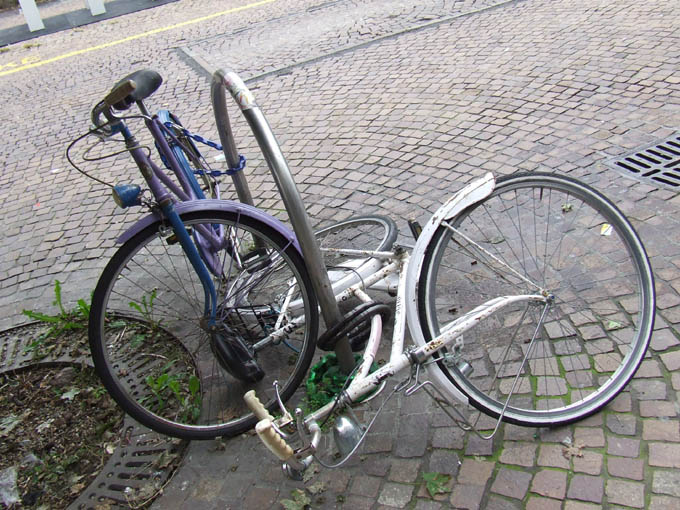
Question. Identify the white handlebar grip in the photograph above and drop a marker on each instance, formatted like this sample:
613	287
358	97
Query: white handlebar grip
258	409
273	440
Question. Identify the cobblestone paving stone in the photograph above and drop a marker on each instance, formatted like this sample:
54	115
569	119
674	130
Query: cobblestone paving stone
394	126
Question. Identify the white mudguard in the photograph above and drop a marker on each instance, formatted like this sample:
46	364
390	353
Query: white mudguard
470	194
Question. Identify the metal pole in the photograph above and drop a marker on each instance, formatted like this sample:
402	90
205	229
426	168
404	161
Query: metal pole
219	102
303	230
292	202
31	15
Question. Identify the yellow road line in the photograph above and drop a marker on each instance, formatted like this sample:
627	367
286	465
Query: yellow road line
133	37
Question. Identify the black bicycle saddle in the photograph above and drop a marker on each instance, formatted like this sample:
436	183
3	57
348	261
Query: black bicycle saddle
147	82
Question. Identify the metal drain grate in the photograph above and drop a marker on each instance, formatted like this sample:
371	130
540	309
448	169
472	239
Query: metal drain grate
657	164
142	463
136	472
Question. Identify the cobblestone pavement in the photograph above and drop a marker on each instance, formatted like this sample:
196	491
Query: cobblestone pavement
320	30
393	126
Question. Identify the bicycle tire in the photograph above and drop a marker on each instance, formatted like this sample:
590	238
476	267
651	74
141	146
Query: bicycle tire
572	241
369	232
155	357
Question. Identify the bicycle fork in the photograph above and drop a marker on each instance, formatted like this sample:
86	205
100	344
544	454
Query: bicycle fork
167	206
187	244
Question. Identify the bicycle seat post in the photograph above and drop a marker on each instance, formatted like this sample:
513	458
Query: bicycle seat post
142	108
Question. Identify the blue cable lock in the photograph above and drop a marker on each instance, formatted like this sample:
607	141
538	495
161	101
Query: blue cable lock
209	143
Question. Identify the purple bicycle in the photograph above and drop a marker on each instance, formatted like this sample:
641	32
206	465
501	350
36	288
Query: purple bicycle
197	305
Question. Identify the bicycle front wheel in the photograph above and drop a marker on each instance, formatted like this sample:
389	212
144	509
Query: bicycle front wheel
550	363
151	342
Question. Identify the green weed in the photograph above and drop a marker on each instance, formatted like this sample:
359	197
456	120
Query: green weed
300	501
176	391
435	483
145	309
61	322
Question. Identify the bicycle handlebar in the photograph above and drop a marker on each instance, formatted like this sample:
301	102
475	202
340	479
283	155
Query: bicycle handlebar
117	94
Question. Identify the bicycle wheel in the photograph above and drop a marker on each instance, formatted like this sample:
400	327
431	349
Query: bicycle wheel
152	346
540	232
369	233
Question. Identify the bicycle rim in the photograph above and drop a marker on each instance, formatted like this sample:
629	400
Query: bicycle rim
151	344
369	233
541	231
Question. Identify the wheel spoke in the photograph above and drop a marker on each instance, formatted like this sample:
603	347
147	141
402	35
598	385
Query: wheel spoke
155	350
552	231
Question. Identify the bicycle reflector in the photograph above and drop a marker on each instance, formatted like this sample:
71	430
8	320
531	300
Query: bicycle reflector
127	195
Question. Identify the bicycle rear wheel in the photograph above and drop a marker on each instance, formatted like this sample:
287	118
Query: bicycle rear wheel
152	345
194	166
368	233
540	231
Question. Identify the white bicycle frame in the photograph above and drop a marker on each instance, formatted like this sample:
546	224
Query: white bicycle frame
376	269
407	267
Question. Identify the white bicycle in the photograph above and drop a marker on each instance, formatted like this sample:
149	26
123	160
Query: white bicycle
529	297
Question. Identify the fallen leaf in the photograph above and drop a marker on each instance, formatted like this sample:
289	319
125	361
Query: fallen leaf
309	473
435	483
8	424
146	492
10	493
317	488
300	501
44	425
70	394
164	460
73	479
573	451
77	488
614	325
